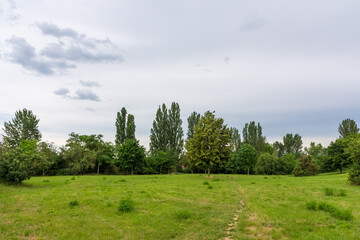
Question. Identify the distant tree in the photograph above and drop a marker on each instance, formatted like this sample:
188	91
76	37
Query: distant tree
131	156
130	127
244	160
210	144
279	148
175	131
353	150
17	164
47	158
306	167
347	127
318	153
286	164
192	120
235	139
252	134
266	164
337	157
24	126
159	131
293	144
268	148
125	127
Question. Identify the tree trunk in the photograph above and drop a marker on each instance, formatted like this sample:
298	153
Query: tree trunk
208	170
132	171
98	170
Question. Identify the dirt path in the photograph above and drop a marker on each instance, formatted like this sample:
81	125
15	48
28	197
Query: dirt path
234	223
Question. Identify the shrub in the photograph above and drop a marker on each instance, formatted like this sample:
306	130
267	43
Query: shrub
74	203
306	167
329	192
126	205
182	215
311	205
210	187
206	183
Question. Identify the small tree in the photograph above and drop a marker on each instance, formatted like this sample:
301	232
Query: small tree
17	164
244	160
210	144
306	167
24	126
131	156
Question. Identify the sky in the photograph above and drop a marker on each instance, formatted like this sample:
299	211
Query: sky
293	66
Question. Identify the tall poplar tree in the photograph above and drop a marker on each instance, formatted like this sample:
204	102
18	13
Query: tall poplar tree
130	127
235	139
175	131
347	127
192	120
252	134
159	131
125	127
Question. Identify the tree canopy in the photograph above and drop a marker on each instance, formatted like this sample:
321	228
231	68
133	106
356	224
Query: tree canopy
347	127
252	134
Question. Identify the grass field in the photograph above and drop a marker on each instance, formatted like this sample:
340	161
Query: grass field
181	207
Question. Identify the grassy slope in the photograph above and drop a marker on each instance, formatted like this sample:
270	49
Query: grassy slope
274	207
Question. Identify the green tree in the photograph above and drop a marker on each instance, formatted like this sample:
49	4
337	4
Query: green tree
244	160
131	156
353	150
235	139
175	131
292	144
210	144
192	120
47	158
266	164
286	164
337	157
306	167
252	134
24	126
130	127
159	131
347	127
120	127
17	164
280	148
318	153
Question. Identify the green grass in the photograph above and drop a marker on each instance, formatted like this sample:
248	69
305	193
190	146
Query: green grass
180	207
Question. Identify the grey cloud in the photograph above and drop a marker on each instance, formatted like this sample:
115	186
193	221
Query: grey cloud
89	83
53	30
86	94
62	91
77	53
253	22
89	109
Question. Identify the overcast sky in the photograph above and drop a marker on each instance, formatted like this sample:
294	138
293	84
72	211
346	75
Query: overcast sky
293	66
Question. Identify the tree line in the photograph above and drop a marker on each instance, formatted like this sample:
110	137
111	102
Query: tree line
209	146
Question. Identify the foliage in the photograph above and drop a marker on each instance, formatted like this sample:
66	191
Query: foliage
252	134
192	120
353	149
131	156
292	144
210	145
319	154
266	164
235	139
306	167
347	127
159	131
125	129
279	148
244	160
17	164
175	131
126	205
48	157
286	164
268	148
24	126
337	157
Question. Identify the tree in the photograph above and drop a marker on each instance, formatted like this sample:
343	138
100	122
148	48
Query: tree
192	120
252	134
210	144
125	127
266	164
235	139
306	167
318	153
131	156
17	164
353	150
159	131
337	157
24	126
48	157
280	148
175	132
244	160
292	144
130	127
347	127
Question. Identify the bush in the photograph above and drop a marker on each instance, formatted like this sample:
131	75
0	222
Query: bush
74	203
205	183
306	167
126	205
312	205
210	187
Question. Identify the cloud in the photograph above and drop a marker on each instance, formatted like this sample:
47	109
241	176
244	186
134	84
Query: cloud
22	53
8	11
252	23
62	92
86	94
55	31
89	83
89	109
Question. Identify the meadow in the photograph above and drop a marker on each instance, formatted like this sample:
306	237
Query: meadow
181	206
